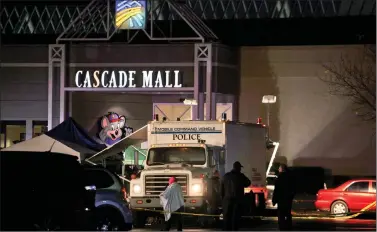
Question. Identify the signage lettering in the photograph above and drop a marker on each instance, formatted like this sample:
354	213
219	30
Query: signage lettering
186	129
186	136
126	79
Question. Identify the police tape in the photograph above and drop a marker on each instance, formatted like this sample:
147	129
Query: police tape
294	214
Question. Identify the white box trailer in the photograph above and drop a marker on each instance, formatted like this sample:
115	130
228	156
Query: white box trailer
192	151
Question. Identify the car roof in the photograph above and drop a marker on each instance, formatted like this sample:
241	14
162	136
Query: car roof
361	179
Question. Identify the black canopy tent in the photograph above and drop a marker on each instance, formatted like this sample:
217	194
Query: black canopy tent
71	132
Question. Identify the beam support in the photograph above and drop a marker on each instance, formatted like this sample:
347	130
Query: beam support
203	55
56	54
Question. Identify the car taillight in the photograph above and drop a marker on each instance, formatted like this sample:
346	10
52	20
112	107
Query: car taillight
124	193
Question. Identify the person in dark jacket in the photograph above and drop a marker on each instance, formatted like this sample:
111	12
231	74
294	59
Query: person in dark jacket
232	192
283	196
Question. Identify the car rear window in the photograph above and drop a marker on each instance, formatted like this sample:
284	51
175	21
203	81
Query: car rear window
101	179
359	187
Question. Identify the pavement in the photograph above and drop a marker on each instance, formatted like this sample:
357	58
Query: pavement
366	222
298	225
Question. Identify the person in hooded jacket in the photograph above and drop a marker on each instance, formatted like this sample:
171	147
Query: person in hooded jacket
232	191
283	196
173	204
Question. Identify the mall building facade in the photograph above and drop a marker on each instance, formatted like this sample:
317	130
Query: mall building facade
314	128
43	85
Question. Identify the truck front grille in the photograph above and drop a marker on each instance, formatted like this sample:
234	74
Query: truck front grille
156	184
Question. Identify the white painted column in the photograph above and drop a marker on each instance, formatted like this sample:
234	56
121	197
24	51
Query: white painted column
29	129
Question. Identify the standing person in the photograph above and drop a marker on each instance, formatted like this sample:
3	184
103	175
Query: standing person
173	203
283	196
232	192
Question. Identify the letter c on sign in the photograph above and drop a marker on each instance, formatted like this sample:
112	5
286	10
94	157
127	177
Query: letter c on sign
78	73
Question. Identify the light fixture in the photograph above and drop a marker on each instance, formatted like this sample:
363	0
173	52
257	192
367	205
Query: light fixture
269	99
190	102
223	117
155	117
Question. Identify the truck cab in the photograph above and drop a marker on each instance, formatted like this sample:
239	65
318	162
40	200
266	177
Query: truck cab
192	164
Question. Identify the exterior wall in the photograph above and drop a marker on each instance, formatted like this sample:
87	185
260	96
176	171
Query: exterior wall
313	127
227	71
24	94
89	107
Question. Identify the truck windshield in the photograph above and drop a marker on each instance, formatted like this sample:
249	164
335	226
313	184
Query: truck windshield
169	155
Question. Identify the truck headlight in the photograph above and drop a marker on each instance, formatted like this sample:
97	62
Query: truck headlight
196	188
136	188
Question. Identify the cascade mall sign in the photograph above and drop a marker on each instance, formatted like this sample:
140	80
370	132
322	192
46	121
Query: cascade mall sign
128	79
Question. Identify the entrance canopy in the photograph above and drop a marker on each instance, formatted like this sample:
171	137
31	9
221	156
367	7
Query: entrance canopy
44	143
137	137
66	138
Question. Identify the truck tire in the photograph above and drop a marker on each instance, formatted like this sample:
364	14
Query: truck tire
206	221
261	204
249	204
139	219
109	218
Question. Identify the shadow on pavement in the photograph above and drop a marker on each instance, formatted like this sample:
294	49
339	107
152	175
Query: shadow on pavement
313	226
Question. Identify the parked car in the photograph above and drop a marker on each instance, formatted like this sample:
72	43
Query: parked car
351	196
44	191
112	211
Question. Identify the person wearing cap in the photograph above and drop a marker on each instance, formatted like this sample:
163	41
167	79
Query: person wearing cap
283	196
232	192
173	204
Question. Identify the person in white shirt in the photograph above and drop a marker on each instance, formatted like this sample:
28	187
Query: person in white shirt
172	202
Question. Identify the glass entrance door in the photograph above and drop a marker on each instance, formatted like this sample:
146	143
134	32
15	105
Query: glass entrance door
39	128
12	132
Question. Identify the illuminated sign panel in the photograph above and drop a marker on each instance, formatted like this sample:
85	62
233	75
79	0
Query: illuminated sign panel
128	79
130	14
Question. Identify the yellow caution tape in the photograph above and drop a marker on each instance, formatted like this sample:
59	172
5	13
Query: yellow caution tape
295	215
182	213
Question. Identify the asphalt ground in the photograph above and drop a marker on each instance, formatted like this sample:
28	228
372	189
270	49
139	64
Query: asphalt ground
298	225
364	222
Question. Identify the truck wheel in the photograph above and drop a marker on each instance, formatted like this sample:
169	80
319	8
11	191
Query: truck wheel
108	218
139	219
249	204
261	203
206	221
